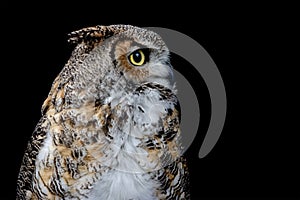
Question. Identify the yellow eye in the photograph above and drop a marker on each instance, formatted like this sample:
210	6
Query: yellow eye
137	58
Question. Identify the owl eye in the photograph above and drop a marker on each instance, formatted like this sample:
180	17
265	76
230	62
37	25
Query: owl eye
138	57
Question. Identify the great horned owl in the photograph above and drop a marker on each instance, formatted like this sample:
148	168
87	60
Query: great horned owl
110	125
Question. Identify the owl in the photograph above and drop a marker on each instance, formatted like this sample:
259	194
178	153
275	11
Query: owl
110	125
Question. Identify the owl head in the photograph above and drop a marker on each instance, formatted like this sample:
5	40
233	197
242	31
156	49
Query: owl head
108	62
136	54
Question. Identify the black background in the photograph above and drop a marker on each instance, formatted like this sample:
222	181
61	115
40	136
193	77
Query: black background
256	154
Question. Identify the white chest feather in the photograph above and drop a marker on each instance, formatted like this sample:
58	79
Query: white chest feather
129	177
119	185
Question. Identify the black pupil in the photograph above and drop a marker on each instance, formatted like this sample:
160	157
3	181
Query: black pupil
137	57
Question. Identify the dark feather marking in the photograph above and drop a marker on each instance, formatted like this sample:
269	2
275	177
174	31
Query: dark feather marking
28	164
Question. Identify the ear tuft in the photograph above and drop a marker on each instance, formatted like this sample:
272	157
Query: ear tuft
95	34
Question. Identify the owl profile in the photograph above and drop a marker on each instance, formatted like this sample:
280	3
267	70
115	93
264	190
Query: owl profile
110	126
